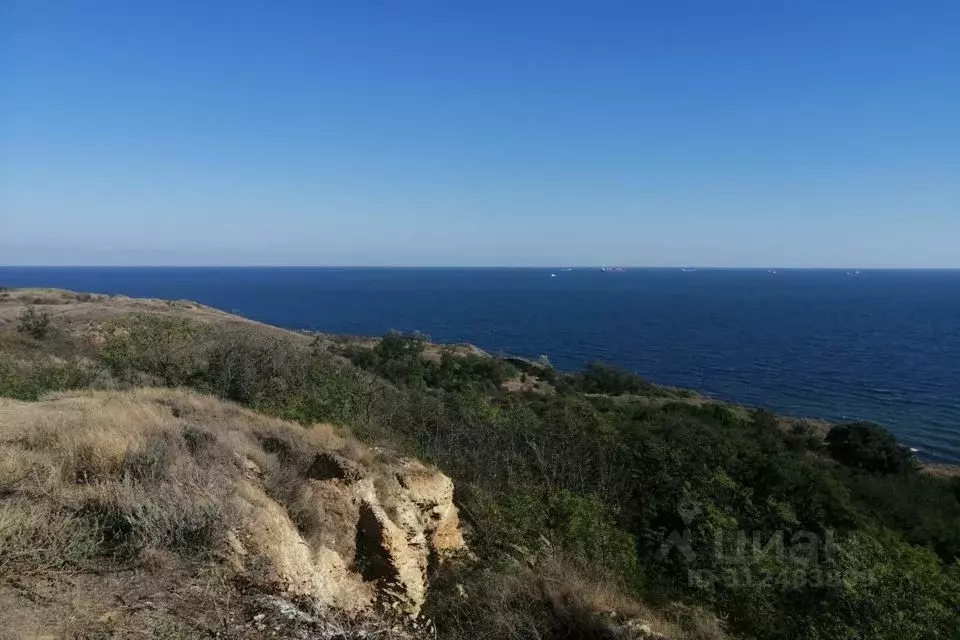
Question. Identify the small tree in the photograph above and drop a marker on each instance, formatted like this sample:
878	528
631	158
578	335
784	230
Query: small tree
399	357
870	447
34	323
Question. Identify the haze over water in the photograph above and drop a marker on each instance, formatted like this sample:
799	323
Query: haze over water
878	345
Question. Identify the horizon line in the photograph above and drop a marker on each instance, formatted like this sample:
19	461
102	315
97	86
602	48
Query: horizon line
477	266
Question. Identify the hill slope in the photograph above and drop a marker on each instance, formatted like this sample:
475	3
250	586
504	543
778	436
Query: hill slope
180	484
583	495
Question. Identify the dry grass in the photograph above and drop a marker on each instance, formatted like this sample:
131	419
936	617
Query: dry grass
942	470
550	597
527	383
81	314
126	474
574	594
168	483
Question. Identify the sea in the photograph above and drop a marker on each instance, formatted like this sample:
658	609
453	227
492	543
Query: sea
878	345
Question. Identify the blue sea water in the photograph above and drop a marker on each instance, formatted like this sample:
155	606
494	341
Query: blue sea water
878	345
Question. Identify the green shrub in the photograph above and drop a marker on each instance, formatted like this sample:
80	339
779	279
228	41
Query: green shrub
926	508
34	323
328	394
12	383
459	373
890	590
581	526
29	381
548	374
400	358
363	357
168	348
62	376
597	377
871	447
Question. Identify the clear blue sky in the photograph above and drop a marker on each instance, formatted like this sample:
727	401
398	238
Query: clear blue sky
720	132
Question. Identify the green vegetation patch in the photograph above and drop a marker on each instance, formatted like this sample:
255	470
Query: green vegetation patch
168	348
776	531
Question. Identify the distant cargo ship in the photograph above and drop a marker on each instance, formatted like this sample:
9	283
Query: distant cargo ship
612	269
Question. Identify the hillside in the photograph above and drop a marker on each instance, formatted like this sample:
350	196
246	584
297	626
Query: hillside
171	470
164	479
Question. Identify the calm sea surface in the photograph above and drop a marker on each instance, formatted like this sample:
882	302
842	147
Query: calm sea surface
879	345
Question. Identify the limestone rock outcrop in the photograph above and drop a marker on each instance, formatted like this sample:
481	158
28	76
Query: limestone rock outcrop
358	535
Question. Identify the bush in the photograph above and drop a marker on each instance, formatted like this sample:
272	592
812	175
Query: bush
400	358
29	381
597	377
168	348
925	507
891	591
581	526
459	373
328	394
277	376
251	368
36	537
11	380
34	323
870	447
362	357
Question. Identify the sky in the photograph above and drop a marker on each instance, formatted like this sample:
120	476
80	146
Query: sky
803	133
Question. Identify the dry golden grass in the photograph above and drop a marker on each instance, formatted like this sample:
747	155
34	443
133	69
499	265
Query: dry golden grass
552	592
131	472
166	483
571	591
83	314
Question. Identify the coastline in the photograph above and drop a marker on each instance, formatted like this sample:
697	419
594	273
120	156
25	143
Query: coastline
79	310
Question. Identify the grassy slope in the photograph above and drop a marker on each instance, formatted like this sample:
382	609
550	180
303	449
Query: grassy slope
112	524
115	508
571	484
